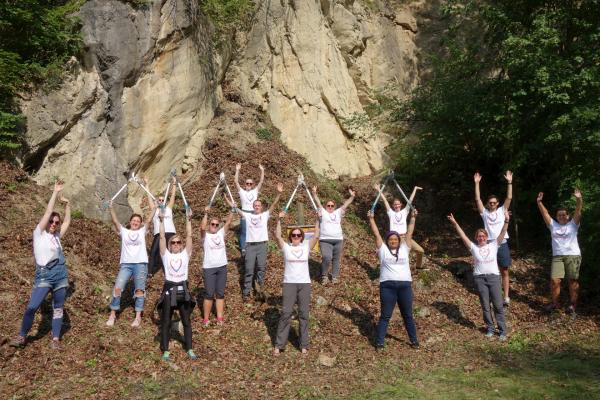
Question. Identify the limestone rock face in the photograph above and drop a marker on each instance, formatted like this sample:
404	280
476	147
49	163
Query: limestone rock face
144	94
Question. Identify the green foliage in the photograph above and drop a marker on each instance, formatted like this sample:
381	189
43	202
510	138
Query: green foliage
227	15
36	39
264	134
77	214
517	88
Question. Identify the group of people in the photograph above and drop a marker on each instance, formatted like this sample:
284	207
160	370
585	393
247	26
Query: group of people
171	253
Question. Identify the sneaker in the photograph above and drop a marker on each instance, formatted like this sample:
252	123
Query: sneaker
111	321
506	301
503	338
276	351
136	323
489	334
571	311
220	321
54	344
334	281
166	356
379	348
415	345
192	355
205	323
18	341
304	351
551	307
324	280
243	253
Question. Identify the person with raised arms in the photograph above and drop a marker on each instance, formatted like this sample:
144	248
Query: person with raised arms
332	238
50	269
175	292
133	263
493	221
296	283
257	236
398	214
566	255
154	259
395	280
486	273
214	266
248	194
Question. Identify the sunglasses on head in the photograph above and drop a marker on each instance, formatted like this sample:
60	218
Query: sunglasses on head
296	235
175	241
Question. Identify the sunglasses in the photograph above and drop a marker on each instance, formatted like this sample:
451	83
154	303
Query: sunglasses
175	241
330	205
492	203
296	235
55	222
161	200
249	183
213	224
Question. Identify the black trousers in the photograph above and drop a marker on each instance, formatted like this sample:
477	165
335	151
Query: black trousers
185	311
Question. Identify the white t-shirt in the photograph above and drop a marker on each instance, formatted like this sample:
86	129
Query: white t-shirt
133	246
257	229
46	247
168	220
295	261
564	239
176	265
494	222
214	249
331	225
392	269
398	220
247	198
484	258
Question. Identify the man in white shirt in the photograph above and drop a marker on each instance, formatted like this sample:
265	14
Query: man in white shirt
248	194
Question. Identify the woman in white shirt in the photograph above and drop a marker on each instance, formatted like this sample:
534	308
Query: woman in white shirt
154	259
133	262
175	292
50	269
332	238
296	283
395	280
566	255
486	273
214	266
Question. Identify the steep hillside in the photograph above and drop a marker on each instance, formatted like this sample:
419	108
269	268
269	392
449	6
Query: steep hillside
235	360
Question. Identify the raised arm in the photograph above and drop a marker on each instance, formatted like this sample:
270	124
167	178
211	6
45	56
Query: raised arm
411	227
162	243
374	229
500	237
67	220
316	198
58	186
313	240
188	230
228	222
278	238
477	179
460	232
379	188
172	194
262	177
150	214
114	218
236	178
414	193
509	178
543	211
578	206
349	200
276	200
204	223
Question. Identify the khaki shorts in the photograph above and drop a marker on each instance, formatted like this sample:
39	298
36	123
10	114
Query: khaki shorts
568	264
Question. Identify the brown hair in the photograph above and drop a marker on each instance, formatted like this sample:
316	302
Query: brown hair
301	234
480	230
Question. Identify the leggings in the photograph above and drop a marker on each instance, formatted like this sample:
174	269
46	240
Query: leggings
38	295
185	312
392	293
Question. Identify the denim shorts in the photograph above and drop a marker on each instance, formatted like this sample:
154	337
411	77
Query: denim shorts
54	278
503	256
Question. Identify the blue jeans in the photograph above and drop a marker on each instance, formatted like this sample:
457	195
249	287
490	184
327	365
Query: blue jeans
38	294
242	238
140	273
392	293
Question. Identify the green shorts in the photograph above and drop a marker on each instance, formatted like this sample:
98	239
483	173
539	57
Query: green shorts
568	264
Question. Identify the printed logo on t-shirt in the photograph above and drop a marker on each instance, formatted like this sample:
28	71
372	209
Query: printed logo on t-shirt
297	252
215	243
175	265
250	196
255	220
484	252
398	218
133	239
333	217
492	217
562	233
391	260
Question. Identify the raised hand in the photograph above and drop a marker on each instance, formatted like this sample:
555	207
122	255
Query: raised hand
540	196
352	192
377	187
370	214
63	199
414	213
418	188
508	176
280	187
145	180
238	166
577	194
451	218
58	185
314	189
282	214
188	212
173	180
207	209
477	177
260	166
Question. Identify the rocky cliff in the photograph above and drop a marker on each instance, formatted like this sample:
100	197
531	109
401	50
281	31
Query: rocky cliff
143	95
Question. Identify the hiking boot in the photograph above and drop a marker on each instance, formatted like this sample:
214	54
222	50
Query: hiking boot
18	342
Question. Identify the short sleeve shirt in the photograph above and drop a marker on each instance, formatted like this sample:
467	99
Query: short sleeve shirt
564	239
485	259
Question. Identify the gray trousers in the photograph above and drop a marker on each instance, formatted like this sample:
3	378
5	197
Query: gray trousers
331	252
256	256
294	293
489	288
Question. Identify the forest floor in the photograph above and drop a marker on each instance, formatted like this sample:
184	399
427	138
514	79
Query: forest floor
546	356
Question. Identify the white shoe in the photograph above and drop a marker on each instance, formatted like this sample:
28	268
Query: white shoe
111	321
